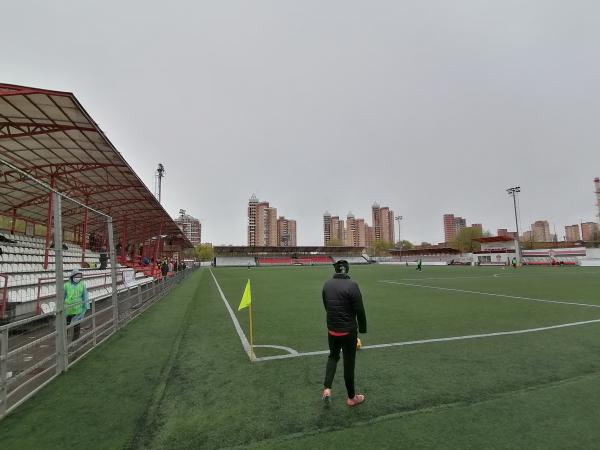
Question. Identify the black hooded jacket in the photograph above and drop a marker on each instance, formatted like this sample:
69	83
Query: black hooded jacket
343	302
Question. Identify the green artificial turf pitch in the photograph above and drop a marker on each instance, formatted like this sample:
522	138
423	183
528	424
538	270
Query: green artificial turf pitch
178	377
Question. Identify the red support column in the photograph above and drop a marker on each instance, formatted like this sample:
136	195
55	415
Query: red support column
84	234
124	241
48	224
14	221
157	245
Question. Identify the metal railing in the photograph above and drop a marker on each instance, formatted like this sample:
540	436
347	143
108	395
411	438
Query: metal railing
35	350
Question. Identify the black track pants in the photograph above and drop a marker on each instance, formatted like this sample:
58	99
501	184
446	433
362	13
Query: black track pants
76	327
347	344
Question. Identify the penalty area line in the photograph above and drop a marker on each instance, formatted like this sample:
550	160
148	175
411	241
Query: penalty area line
436	340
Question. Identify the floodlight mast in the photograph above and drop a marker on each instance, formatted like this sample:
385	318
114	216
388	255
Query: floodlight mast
399	219
159	174
513	191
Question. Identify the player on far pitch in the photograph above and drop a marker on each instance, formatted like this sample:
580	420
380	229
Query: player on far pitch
343	303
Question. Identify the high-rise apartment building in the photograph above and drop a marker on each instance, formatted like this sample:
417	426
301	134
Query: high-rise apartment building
361	233
452	225
459	224
369	235
292	232
326	228
262	224
477	226
286	232
449	227
572	233
541	231
190	227
271	238
252	220
333	229
338	232
588	229
355	232
351	231
383	223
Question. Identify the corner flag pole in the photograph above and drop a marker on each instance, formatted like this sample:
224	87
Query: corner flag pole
252	355
246	302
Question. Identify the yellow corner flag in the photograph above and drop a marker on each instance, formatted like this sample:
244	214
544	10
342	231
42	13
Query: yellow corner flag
246	298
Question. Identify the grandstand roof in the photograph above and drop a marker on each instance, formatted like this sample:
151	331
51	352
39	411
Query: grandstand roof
49	135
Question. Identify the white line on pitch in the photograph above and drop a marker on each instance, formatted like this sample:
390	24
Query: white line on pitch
238	328
446	339
491	294
449	278
279	347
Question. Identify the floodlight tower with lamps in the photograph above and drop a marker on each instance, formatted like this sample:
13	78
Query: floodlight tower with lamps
513	191
399	219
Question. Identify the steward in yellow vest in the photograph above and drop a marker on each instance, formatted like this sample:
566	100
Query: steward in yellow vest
76	300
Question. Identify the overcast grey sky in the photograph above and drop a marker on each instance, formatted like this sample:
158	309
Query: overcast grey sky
429	107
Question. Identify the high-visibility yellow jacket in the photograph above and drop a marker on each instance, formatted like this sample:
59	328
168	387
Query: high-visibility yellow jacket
75	298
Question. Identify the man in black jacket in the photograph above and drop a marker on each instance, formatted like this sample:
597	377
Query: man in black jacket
343	302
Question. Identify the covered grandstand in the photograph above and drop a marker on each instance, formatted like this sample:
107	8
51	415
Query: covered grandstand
431	255
48	142
68	199
285	256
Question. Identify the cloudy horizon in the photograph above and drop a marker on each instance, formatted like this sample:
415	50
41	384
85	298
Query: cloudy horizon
428	108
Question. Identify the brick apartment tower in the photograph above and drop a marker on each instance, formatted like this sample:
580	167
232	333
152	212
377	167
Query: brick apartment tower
190	227
449	228
452	225
355	231
326	227
262	223
252	220
383	223
361	233
271	238
351	231
333	229
369	235
588	229
286	232
541	231
572	233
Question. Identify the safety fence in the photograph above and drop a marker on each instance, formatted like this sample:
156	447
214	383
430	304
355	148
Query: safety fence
35	350
63	290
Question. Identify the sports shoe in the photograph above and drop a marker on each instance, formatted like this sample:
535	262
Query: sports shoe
357	400
326	395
